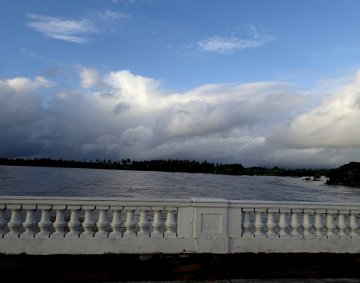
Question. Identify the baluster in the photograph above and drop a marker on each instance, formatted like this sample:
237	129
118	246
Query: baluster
3	221
246	224
330	225
103	224
60	223
15	223
342	223
88	223
116	223
130	223
170	223
353	224
45	224
144	224
74	224
259	222
270	224
318	223
294	224
30	224
157	223
283	225
307	224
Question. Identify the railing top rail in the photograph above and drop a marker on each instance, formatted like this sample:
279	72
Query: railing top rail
93	201
111	201
293	204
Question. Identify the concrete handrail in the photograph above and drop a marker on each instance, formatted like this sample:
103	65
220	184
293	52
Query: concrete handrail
52	225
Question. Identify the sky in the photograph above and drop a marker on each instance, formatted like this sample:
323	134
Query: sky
261	83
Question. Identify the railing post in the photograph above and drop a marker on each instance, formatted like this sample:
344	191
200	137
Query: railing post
103	223
130	222
88	223
30	224
116	223
259	224
59	224
211	225
283	224
294	224
342	223
74	224
185	222
270	224
307	224
15	223
170	223
330	225
318	223
157	223
45	224
246	223
144	224
3	222
354	227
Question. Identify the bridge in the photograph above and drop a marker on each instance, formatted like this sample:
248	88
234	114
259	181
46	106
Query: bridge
72	225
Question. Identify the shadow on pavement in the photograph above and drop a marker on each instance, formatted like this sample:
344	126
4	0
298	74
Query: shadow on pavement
179	267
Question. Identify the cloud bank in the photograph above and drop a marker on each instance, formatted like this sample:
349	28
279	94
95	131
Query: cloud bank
123	115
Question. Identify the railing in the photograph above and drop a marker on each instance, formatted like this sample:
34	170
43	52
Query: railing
36	225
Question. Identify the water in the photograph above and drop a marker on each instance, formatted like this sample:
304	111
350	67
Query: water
40	181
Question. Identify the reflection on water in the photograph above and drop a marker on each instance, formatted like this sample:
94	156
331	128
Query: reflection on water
39	181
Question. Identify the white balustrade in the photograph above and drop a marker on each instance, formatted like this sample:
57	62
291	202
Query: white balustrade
307	225
69	225
45	224
103	224
15	223
130	223
89	222
170	222
157	223
270	224
74	224
144	224
3	222
116	224
60	223
30	223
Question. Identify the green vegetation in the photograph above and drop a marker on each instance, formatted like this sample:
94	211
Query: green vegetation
347	175
170	165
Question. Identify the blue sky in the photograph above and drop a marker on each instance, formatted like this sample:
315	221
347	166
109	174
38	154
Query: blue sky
255	82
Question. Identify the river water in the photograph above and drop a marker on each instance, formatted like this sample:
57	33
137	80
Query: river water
41	181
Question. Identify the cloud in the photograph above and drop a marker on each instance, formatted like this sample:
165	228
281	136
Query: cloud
89	78
76	30
234	42
60	28
333	123
132	116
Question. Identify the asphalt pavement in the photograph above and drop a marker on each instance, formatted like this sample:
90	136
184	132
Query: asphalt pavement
244	267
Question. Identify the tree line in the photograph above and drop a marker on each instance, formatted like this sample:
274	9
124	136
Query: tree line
169	165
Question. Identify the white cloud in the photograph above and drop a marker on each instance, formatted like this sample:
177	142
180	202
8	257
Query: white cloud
89	78
334	122
76	30
62	29
264	123
233	42
23	85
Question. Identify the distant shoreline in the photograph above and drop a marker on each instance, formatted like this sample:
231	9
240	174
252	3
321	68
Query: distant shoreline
170	165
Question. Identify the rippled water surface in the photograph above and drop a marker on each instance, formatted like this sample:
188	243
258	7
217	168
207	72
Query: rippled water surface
39	181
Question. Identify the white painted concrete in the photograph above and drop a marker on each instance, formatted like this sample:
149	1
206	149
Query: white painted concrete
42	225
